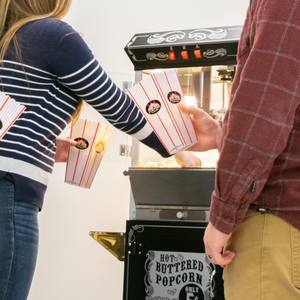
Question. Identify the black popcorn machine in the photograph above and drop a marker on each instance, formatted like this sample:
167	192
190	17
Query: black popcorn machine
163	246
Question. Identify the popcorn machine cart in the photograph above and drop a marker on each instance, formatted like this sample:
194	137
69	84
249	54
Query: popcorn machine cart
163	245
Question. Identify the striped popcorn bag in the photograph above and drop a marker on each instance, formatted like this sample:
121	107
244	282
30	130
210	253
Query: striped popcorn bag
10	110
84	159
157	97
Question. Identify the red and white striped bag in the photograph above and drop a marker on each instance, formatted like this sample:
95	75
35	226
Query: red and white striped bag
157	97
84	159
10	110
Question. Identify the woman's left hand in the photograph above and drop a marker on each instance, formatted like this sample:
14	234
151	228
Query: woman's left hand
63	145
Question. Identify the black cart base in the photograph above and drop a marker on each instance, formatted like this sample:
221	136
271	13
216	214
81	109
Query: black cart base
166	261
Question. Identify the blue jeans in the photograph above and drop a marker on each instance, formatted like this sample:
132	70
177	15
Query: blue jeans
18	243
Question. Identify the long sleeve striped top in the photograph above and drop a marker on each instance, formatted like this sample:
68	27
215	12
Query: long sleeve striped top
56	69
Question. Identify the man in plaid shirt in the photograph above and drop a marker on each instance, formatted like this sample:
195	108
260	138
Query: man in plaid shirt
255	208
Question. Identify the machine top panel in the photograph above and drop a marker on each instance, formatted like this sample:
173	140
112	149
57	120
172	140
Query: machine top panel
186	37
184	48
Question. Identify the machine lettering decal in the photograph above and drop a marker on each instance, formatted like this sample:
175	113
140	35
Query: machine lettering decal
174	97
201	34
157	56
214	53
169	37
178	276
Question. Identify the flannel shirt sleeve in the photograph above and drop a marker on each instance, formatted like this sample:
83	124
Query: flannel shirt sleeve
265	95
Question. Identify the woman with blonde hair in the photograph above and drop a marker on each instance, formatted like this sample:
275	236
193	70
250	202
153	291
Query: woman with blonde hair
46	66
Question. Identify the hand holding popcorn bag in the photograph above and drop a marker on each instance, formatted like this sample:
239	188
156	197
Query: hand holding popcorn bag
84	159
157	97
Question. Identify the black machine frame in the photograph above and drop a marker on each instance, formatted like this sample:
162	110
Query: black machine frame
216	46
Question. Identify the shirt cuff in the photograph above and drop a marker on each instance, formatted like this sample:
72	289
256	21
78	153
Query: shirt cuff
153	142
226	216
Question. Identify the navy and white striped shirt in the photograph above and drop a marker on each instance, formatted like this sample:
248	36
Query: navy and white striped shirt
57	68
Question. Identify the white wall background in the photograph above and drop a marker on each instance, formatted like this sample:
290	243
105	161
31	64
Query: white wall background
71	265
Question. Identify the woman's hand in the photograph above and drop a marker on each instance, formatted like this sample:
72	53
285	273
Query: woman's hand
63	145
187	159
208	131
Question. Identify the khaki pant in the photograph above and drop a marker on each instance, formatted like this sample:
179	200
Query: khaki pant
267	261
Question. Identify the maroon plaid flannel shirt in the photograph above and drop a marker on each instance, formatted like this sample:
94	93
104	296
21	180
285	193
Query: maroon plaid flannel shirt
259	163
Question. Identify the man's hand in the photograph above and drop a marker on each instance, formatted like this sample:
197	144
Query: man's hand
63	145
214	241
208	131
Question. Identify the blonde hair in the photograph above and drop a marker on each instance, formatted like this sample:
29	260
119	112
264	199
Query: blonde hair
16	13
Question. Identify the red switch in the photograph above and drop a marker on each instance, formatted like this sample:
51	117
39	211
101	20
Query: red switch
184	54
198	53
172	56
